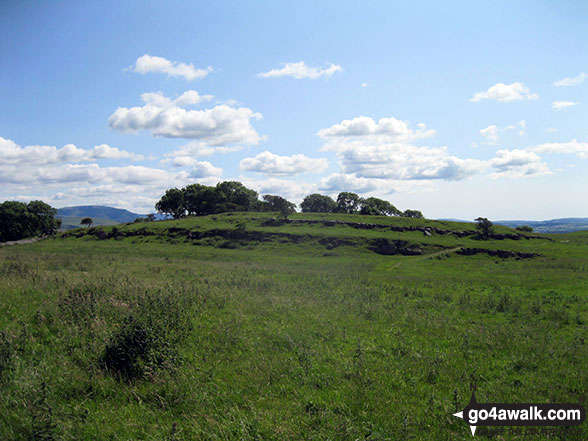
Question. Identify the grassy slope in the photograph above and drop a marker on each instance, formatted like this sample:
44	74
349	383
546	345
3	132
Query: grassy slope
291	338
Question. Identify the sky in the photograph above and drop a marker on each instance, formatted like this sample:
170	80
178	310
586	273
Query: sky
459	109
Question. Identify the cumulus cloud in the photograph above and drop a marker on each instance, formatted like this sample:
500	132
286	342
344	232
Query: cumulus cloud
571	81
505	93
386	129
220	125
187	154
12	153
271	164
517	163
300	71
558	105
205	169
382	150
338	182
148	64
405	162
580	149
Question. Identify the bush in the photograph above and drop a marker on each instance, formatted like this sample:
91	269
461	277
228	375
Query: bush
148	339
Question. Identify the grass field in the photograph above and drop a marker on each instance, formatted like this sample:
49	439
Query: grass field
329	327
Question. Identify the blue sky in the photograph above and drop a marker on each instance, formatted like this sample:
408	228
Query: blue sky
459	109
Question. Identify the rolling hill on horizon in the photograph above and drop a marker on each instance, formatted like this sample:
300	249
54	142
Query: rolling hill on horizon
105	215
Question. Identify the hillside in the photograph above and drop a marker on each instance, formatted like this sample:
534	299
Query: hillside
324	327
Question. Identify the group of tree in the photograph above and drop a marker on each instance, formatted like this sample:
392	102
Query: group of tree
201	200
352	203
19	220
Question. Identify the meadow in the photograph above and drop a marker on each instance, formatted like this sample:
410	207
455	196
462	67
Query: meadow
329	327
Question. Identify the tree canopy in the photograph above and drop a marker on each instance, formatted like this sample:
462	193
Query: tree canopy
378	207
202	200
19	220
318	203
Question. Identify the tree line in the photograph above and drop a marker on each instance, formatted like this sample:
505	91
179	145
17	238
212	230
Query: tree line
19	220
201	200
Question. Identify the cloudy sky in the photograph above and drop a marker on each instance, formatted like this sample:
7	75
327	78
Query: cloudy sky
459	109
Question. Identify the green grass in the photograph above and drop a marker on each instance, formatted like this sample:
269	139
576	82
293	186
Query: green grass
286	338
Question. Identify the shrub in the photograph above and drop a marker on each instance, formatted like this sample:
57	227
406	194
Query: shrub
148	339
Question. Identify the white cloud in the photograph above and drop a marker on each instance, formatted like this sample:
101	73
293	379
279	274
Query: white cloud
382	150
272	164
187	154
220	125
580	149
291	190
405	162
364	85
386	129
517	163
188	98
300	71
205	169
505	93
571	81
550	130
338	182
147	64
490	133
12	153
558	105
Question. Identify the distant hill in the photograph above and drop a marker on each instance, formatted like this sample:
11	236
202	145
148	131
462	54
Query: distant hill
100	214
563	225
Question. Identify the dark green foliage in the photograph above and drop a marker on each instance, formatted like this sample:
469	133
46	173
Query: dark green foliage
378	207
19	220
279	204
525	228
87	222
318	203
149	336
236	197
484	228
347	202
172	203
415	214
202	200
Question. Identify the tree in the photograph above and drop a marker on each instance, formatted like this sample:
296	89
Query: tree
525	228
378	207
413	213
236	197
87	221
172	203
347	202
43	216
318	203
201	200
19	220
278	203
484	228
